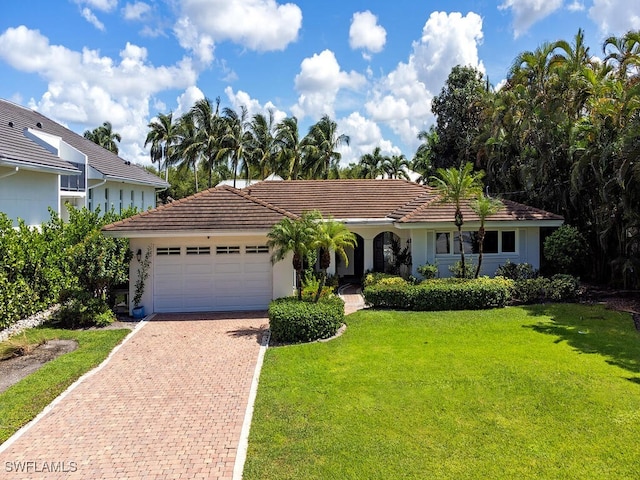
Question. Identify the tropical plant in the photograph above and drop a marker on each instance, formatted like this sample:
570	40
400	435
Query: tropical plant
104	136
372	164
163	134
143	274
290	149
296	236
235	140
455	185
331	235
321	144
484	207
396	166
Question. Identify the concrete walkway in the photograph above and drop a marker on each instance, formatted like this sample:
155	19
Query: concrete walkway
169	404
353	299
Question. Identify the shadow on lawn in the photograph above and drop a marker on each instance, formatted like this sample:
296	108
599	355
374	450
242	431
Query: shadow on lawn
592	329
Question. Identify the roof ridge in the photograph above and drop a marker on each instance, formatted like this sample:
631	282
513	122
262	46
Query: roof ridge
420	207
262	203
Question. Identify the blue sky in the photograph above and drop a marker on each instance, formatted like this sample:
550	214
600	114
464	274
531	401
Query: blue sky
373	66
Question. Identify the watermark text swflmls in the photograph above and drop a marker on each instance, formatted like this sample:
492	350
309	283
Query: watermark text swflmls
30	466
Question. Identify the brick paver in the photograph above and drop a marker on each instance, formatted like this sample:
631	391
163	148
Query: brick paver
169	404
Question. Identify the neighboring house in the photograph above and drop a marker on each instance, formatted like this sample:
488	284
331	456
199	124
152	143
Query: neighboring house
43	164
242	183
209	251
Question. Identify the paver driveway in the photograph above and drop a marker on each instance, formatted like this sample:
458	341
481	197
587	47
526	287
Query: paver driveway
169	404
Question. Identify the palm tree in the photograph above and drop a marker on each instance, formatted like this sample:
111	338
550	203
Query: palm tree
186	155
294	236
454	185
372	164
396	167
290	149
322	142
235	140
331	235
104	136
484	207
208	133
423	159
261	153
162	137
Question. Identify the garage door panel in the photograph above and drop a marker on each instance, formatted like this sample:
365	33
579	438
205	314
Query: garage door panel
193	283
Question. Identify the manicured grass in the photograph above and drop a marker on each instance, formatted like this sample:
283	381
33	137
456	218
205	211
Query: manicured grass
21	402
534	392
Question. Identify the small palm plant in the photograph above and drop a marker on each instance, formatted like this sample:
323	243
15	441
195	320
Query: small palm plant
484	207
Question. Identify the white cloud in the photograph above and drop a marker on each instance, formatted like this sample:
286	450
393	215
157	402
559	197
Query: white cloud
364	135
86	88
318	83
528	12
365	33
201	45
136	11
261	25
187	99
402	99
102	5
576	6
615	17
88	15
239	99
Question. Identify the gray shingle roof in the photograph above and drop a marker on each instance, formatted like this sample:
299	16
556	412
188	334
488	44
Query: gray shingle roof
104	161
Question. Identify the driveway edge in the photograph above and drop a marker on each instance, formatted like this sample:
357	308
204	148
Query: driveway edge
25	428
243	444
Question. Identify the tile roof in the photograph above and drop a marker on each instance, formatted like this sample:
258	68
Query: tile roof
99	158
220	208
366	199
260	206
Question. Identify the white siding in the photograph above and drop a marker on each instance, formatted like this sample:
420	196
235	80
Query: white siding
28	195
140	193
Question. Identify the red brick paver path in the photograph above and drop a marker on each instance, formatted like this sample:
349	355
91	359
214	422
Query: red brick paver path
169	404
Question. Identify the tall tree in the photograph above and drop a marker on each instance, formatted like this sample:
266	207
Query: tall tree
235	140
261	155
372	164
423	160
104	136
396	166
322	143
455	185
290	149
209	130
457	109
162	137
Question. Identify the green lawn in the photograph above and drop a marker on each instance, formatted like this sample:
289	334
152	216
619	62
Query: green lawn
523	392
24	400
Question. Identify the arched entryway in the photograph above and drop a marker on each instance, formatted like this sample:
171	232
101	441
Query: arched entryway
383	256
354	271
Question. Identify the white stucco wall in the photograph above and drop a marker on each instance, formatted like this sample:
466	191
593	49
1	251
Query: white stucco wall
28	195
107	196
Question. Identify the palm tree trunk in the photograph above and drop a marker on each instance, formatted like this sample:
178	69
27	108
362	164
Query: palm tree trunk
323	280
299	284
480	250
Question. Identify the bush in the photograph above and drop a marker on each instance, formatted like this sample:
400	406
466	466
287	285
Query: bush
291	320
428	271
558	288
442	294
469	269
566	250
83	311
17	300
517	271
373	278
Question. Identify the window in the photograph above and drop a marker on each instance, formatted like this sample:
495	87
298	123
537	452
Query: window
106	200
198	250
142	207
167	251
490	244
469	242
226	250
256	249
120	206
91	200
442	243
133	199
509	241
74	183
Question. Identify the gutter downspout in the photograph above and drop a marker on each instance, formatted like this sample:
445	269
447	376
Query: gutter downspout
10	173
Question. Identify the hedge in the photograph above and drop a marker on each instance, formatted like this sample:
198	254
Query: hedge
441	294
291	320
558	288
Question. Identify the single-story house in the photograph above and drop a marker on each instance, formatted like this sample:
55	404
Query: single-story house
44	164
209	251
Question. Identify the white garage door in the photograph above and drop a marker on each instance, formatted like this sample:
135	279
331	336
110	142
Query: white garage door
212	278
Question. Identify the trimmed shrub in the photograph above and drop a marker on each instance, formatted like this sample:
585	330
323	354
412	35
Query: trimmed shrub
17	301
559	288
566	250
292	321
517	271
82	311
442	294
428	271
469	269
373	278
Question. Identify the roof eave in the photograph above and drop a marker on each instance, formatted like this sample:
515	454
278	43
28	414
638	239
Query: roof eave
26	165
184	233
488	224
159	184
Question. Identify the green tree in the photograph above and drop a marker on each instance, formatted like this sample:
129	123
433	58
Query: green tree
372	164
104	136
207	143
396	166
290	149
484	207
455	185
235	141
162	136
294	236
262	157
331	236
321	144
